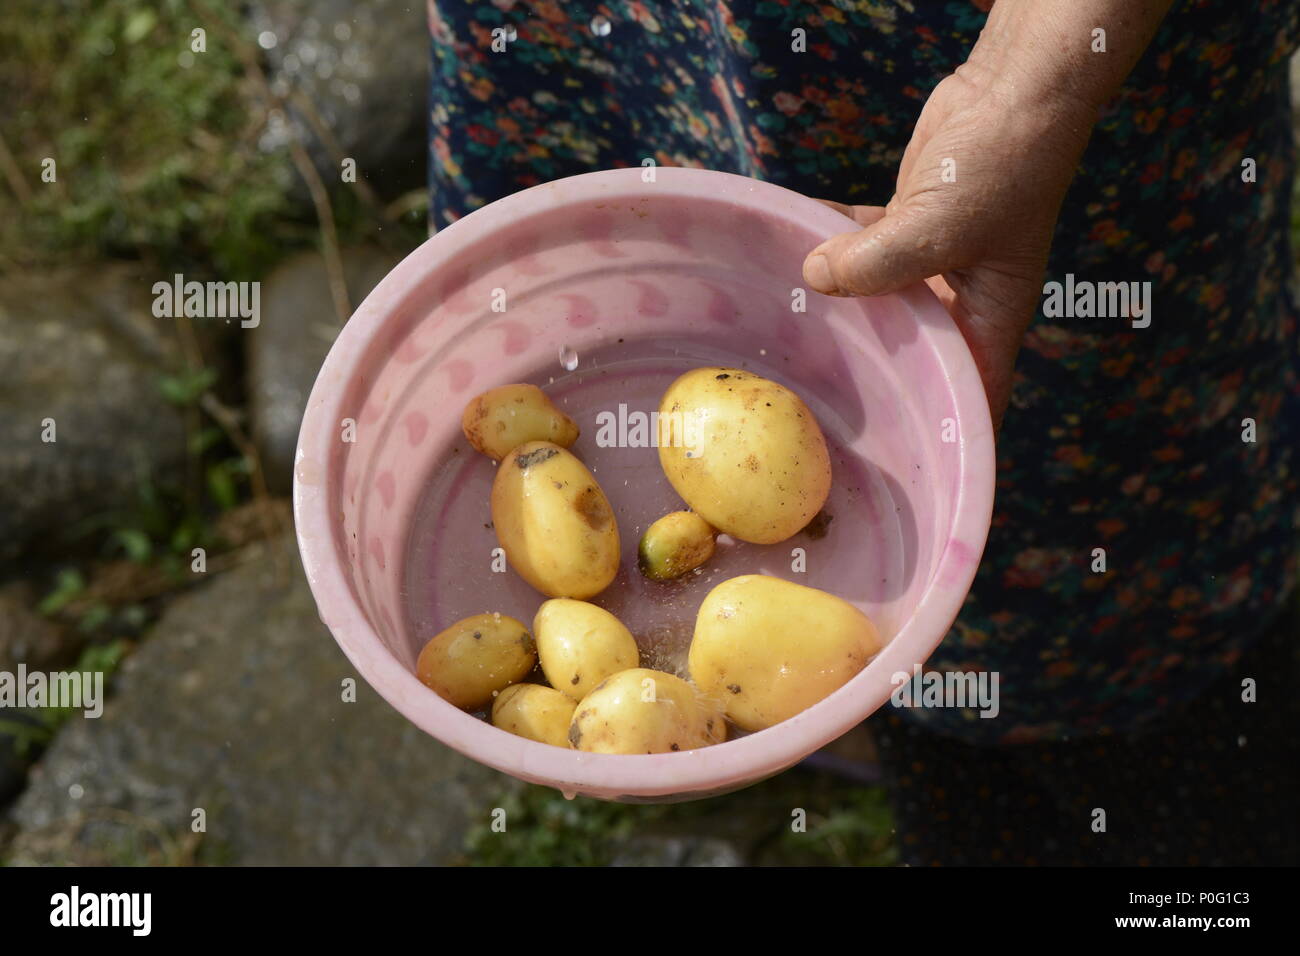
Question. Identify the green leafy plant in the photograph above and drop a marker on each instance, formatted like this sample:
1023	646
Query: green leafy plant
186	388
156	148
68	585
34	728
847	824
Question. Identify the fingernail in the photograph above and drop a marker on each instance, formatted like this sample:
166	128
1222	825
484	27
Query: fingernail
817	273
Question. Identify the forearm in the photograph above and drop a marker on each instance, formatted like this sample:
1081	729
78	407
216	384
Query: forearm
1045	54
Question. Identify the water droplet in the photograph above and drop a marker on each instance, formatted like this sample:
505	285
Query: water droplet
266	40
569	794
600	26
568	358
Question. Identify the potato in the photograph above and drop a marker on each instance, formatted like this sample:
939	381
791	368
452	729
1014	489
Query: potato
675	544
554	521
536	712
580	644
476	657
768	649
745	453
640	711
502	419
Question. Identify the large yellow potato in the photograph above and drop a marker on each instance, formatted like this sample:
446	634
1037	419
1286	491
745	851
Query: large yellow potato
502	419
768	648
580	644
536	712
745	453
640	711
476	657
554	521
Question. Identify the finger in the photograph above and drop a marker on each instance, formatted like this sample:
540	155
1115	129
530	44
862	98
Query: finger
993	346
862	215
892	253
945	292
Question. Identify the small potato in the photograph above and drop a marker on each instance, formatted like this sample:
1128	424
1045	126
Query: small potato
745	453
640	711
502	419
768	649
554	521
675	544
580	645
476	657
536	712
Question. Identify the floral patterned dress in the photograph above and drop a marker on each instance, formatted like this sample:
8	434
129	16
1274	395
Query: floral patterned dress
1119	438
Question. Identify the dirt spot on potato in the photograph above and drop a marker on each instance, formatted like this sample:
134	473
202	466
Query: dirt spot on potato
594	509
734	688
535	457
751	463
575	735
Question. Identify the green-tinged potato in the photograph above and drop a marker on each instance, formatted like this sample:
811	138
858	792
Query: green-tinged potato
536	712
580	644
502	419
745	453
640	711
768	649
476	657
675	544
554	521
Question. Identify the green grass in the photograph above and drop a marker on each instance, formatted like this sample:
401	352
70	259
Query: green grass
37	730
153	157
846	825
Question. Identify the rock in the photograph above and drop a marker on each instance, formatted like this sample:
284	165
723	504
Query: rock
286	350
233	705
81	348
364	67
678	851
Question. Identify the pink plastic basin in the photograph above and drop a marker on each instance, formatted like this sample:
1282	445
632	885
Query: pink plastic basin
602	288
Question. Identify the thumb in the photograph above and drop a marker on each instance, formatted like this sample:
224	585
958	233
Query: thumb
899	249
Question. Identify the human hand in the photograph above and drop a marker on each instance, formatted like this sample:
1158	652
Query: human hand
982	180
